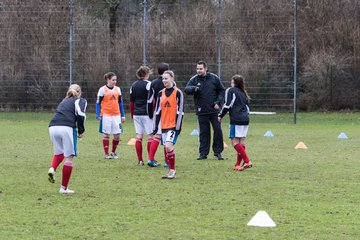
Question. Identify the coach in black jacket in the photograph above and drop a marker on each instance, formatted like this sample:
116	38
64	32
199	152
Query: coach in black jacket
208	94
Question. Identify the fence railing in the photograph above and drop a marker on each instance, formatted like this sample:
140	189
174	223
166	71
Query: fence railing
44	47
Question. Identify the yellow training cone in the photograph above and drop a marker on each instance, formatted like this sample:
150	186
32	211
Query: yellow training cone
131	142
225	145
301	145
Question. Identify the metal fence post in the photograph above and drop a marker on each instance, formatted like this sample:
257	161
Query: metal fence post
70	25
145	32
295	57
218	36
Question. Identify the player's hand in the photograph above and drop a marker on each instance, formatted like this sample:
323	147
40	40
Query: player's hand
122	119
98	118
216	106
80	136
219	119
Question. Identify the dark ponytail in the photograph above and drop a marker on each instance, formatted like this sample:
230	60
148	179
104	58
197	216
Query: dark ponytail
239	82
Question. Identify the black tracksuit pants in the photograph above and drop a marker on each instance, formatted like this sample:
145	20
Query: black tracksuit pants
205	134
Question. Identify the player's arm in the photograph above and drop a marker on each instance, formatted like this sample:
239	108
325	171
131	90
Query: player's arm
229	101
150	102
98	106
157	114
80	109
122	110
180	110
132	102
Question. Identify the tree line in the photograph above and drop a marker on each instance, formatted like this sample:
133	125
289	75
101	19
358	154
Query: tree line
256	41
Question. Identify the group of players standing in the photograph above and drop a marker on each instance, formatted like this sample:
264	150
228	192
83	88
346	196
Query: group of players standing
157	109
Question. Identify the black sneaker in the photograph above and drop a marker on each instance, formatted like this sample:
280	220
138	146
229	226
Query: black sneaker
218	155
202	158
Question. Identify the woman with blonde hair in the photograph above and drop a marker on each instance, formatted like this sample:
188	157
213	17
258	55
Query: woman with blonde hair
169	113
65	127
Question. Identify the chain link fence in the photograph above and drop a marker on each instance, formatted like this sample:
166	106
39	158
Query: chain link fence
46	45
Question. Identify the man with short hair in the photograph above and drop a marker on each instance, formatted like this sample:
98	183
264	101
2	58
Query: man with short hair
208	94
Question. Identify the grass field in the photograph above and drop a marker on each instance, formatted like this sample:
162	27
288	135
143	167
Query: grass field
310	194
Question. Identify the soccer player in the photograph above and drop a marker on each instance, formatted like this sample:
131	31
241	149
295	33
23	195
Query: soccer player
155	87
236	103
110	112
65	127
138	110
169	113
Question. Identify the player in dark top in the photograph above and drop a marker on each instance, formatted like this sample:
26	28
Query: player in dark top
138	110
156	86
236	103
69	117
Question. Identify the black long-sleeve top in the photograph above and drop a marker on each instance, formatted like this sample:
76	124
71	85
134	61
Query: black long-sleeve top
237	105
155	87
70	112
208	91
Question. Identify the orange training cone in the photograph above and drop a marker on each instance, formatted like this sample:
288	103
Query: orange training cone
301	145
131	142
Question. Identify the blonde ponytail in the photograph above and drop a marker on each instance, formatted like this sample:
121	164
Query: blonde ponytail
73	91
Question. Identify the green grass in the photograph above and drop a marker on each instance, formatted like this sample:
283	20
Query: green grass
310	194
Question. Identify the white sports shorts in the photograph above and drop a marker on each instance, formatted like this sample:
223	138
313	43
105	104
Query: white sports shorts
64	140
111	125
169	136
238	131
143	124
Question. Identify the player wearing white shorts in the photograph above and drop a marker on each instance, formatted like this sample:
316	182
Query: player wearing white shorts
169	111
155	87
236	103
110	112
65	127
138	110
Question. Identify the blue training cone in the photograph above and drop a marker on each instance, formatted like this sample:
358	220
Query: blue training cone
195	132
268	134
342	136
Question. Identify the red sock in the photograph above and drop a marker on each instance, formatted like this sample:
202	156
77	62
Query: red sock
239	159
57	159
153	148
106	144
138	147
245	151
241	150
171	157
148	147
166	157
66	174
114	145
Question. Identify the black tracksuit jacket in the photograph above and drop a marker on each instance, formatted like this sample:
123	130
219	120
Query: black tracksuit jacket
207	91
